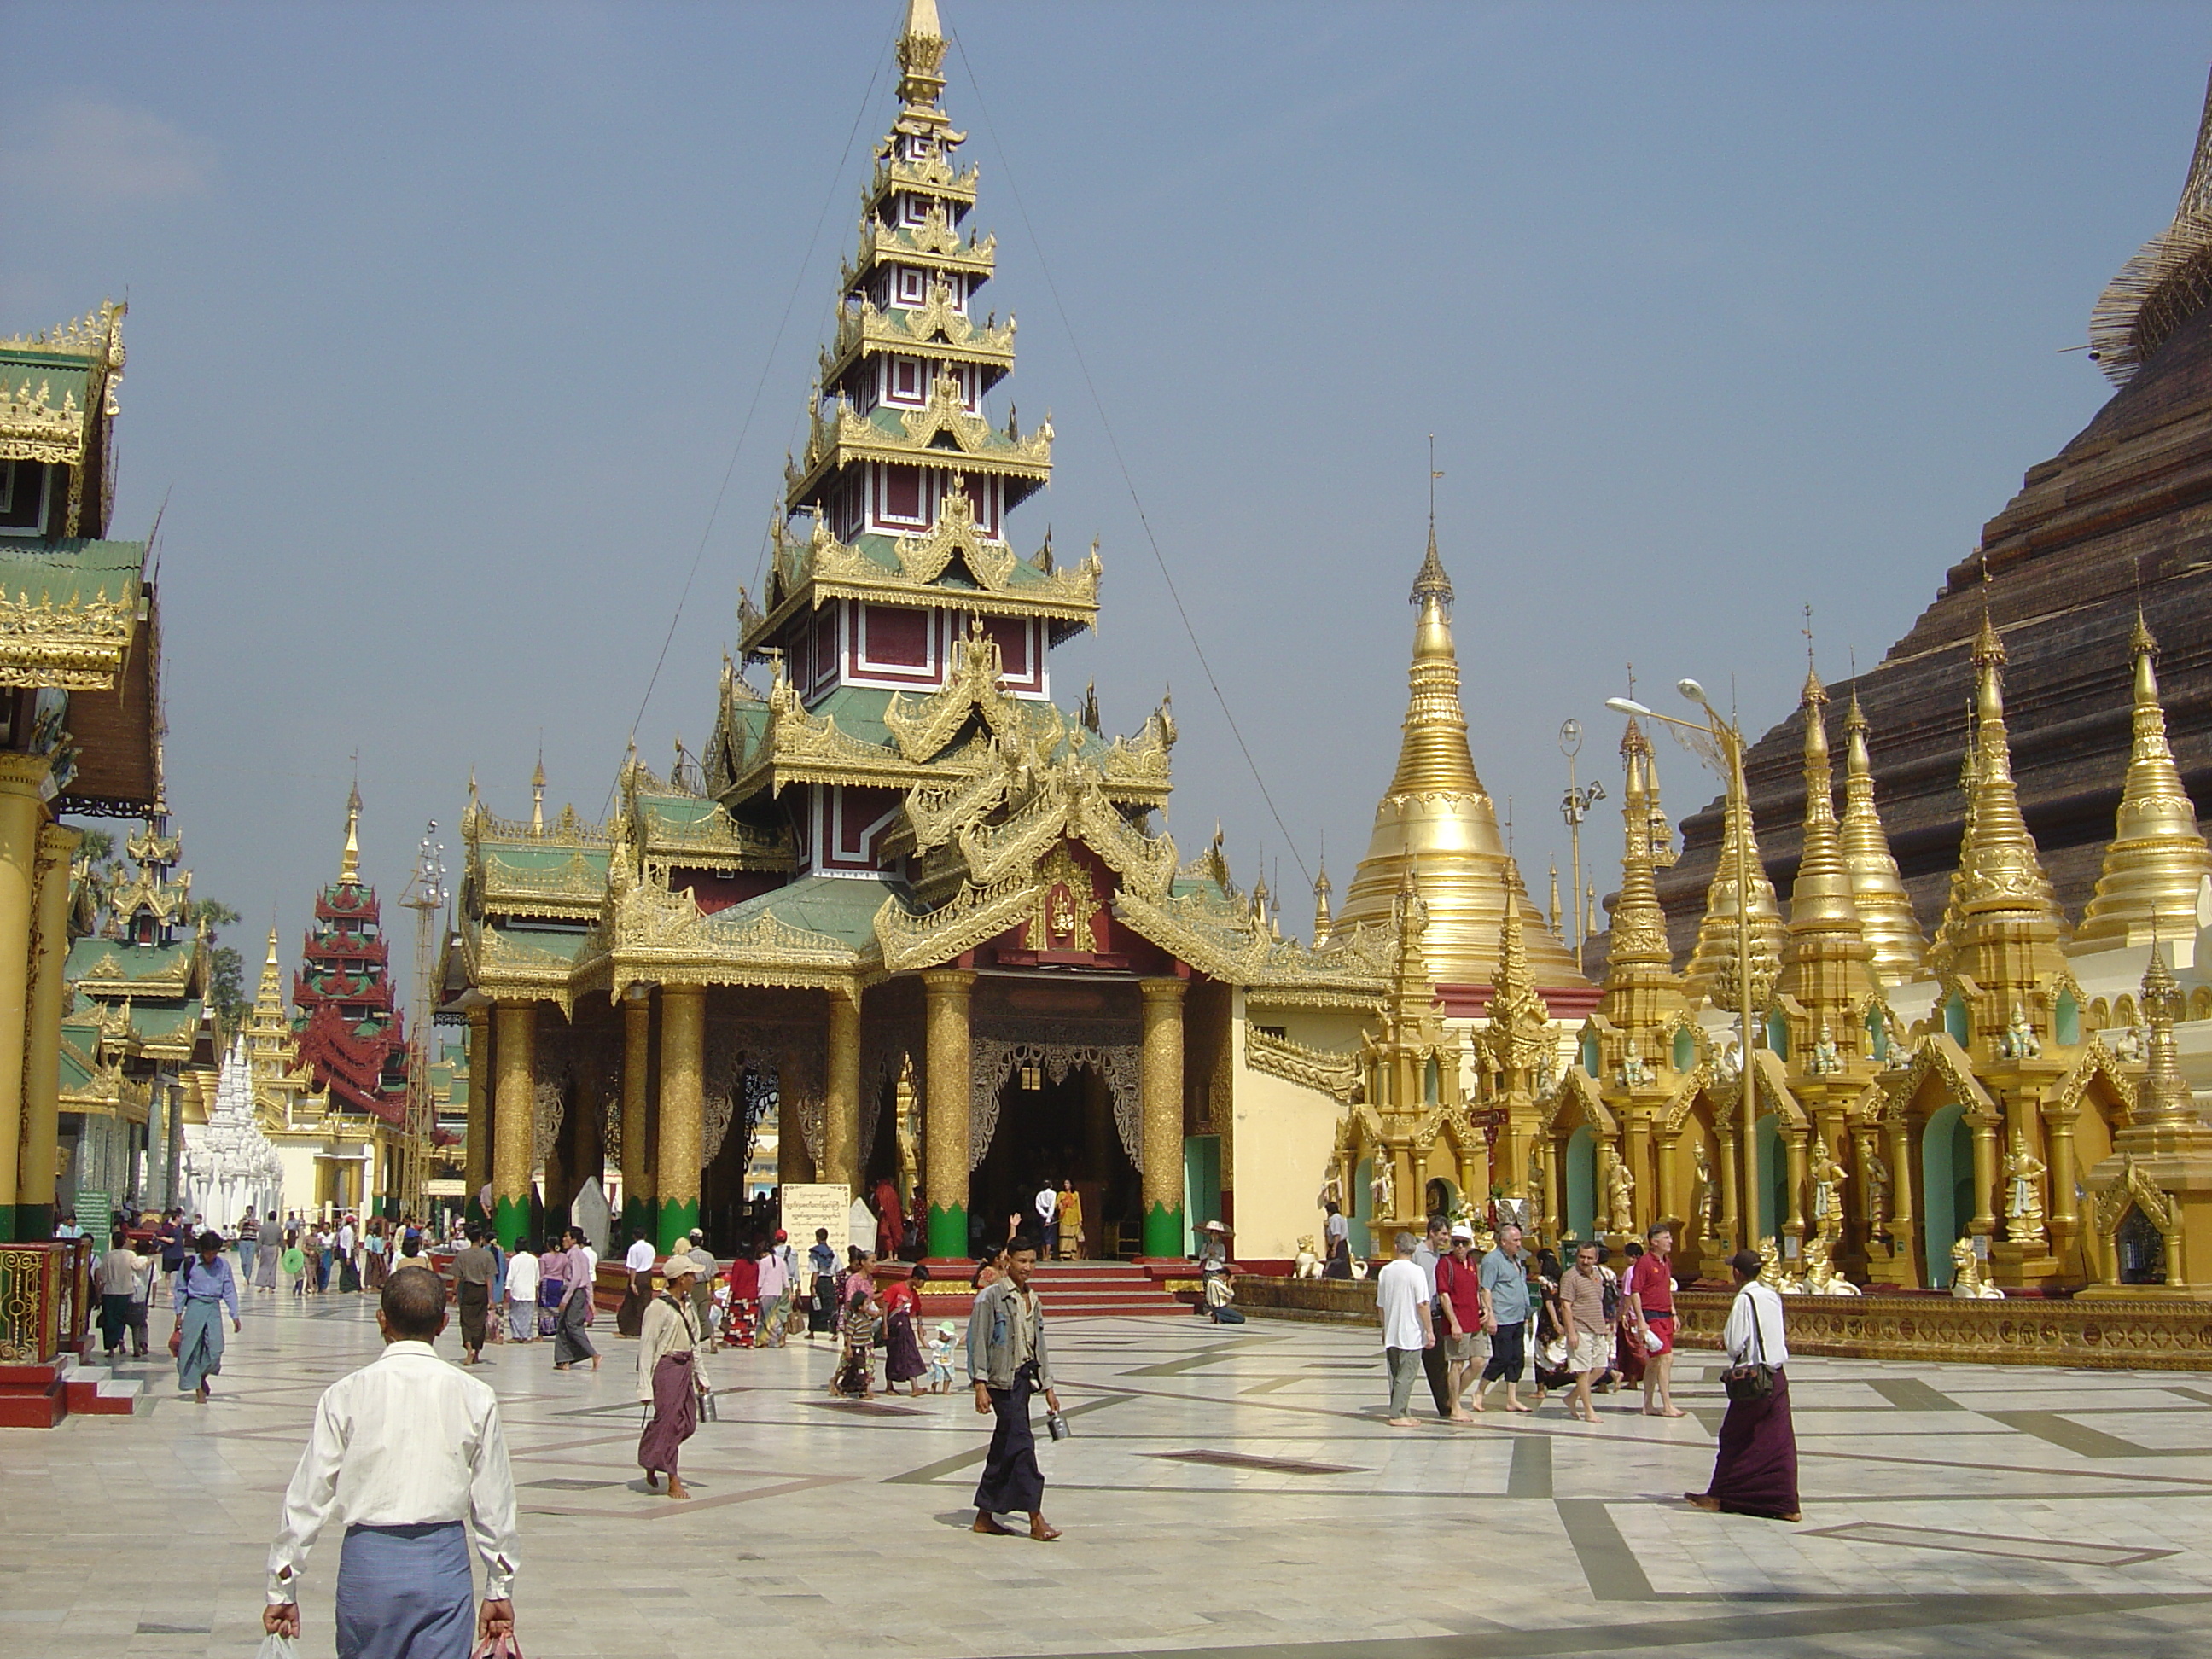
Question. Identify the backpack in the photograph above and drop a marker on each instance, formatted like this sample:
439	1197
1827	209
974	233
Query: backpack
1612	1295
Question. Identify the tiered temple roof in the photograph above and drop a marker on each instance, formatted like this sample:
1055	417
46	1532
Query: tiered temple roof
350	1033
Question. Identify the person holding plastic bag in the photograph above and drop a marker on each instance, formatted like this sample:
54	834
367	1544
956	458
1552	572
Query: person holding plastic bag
411	1449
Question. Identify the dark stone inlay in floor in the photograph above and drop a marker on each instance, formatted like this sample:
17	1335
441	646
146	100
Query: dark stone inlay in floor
568	1483
1910	1394
866	1408
176	1630
1246	1461
2070	1551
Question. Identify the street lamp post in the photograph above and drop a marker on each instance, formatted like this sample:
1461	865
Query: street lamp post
1730	740
1574	806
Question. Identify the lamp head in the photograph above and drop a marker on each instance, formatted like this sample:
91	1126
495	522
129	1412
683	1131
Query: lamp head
1626	705
1691	689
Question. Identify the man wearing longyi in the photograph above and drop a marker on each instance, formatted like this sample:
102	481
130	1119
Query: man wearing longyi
410	1450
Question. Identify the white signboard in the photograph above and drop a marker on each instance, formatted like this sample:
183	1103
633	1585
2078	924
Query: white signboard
807	1207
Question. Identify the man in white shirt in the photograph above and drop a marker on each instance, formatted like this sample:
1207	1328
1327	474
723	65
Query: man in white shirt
1047	1209
410	1449
1401	1297
522	1279
637	1261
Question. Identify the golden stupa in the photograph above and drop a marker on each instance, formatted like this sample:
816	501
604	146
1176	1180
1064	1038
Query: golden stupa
1436	822
2158	858
1893	931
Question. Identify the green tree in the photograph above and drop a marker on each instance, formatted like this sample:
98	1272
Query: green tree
226	968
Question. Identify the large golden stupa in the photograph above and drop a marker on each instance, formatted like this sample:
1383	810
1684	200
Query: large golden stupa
1436	822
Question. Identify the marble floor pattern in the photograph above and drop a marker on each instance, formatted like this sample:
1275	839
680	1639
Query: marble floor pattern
1226	1490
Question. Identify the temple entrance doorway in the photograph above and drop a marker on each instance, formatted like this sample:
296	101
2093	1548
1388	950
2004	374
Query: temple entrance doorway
1946	1184
1053	1130
1581	1194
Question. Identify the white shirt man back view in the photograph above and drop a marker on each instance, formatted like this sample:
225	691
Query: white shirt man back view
1403	1298
411	1449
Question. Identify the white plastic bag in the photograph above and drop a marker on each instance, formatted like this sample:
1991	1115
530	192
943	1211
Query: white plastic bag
274	1646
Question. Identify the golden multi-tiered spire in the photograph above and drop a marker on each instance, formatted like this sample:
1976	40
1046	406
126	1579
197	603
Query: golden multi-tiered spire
1711	972
1825	964
349	860
1642	990
1515	1038
2007	931
1892	932
1322	890
1943	949
2157	858
2163	1096
1436	815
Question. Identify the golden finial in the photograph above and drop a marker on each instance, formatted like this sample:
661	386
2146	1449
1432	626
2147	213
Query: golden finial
1322	890
538	793
1892	932
2157	858
921	57
349	860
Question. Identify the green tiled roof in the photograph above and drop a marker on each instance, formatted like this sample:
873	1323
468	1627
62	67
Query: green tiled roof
843	907
132	962
74	569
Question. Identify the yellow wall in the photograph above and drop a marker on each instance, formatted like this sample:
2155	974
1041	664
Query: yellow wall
1284	1136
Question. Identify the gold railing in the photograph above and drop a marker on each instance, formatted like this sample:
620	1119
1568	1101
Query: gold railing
45	1290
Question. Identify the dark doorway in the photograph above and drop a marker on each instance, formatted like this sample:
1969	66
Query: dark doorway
1057	1130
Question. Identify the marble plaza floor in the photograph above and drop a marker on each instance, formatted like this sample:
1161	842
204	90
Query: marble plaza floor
1225	1490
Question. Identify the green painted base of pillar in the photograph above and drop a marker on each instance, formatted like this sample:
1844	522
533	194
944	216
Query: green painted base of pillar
34	1223
472	1210
7	1224
510	1220
637	1218
677	1217
1164	1229
948	1231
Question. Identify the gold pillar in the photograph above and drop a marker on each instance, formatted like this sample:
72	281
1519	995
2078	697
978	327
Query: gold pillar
1638	1153
1985	1175
476	1148
947	1085
682	1112
513	1119
2065	1220
22	815
636	1098
1161	1116
1672	1204
42	1065
1733	1220
1795	1164
841	1107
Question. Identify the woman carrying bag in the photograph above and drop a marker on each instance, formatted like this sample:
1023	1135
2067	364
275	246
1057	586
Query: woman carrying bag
1755	1472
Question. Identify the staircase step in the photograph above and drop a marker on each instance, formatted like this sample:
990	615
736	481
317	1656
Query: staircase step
115	1397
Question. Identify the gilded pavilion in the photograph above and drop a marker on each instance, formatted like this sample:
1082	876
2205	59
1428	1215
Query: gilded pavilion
79	722
139	1045
903	896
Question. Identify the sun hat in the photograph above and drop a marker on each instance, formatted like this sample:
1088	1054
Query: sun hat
1462	1230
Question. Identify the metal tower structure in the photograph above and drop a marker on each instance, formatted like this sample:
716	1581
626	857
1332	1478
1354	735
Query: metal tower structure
427	896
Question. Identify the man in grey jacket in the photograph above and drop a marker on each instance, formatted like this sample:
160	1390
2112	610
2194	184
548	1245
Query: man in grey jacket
1007	1363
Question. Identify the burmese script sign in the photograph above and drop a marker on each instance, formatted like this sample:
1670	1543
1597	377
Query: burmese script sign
808	1205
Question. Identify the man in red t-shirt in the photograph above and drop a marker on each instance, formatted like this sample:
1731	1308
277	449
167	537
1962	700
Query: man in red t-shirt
1459	1318
1650	1292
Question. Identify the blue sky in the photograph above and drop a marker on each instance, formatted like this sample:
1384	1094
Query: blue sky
447	321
